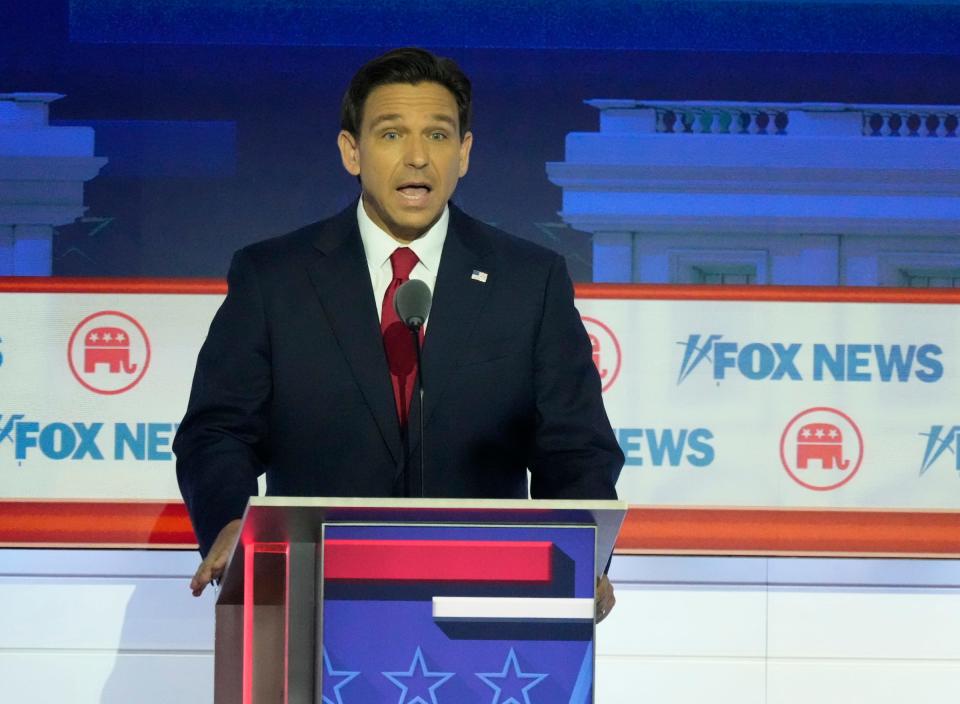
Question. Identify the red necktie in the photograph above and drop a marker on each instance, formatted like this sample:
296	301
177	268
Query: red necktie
397	340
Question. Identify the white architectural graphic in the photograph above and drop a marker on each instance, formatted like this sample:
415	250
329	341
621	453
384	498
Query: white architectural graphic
42	172
799	193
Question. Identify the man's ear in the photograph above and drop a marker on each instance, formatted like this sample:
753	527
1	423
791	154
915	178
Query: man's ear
465	144
349	152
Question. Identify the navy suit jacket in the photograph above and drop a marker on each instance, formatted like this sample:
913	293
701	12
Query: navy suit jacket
292	380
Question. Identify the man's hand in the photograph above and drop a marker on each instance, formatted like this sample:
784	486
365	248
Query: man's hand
605	598
216	560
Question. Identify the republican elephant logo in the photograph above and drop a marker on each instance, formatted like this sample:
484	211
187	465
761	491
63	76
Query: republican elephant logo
110	346
821	448
605	350
109	352
823	442
597	361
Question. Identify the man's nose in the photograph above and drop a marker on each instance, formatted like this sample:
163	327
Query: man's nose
417	154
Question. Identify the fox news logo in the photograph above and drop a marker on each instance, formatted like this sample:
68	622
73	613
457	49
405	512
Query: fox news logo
667	447
86	441
939	440
776	361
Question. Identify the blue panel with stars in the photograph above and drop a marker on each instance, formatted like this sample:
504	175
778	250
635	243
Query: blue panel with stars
383	644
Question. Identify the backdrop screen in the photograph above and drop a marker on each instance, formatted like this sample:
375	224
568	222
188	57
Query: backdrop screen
219	118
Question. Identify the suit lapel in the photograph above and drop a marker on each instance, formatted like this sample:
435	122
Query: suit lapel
342	281
457	302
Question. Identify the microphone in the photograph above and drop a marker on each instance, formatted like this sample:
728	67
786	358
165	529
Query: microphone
412	302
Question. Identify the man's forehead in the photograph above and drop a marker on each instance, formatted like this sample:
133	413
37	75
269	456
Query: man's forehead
402	100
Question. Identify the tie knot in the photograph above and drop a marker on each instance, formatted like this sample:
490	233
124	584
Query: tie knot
403	260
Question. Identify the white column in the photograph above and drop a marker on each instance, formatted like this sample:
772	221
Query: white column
42	172
612	257
820	260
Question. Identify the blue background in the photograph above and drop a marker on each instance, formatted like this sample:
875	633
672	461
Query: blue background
219	117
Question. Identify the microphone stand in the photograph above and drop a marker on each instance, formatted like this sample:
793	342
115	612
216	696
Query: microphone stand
415	330
412	304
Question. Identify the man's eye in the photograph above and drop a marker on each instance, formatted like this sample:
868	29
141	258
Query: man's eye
391	135
438	135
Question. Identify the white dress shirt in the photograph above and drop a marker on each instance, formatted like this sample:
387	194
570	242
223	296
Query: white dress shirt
378	246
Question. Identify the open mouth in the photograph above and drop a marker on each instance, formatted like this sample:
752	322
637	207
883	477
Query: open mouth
414	191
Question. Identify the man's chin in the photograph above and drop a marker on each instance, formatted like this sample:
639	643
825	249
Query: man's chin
411	228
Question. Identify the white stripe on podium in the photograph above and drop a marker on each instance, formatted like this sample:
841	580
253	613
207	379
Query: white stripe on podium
467	608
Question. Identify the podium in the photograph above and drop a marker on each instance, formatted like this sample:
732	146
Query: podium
343	600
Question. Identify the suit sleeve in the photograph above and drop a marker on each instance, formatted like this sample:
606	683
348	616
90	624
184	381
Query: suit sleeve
575	453
220	445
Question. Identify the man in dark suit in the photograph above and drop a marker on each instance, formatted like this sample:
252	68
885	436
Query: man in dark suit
299	379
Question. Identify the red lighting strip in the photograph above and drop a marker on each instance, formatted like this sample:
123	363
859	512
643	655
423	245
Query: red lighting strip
250	551
286	626
437	560
143	524
248	583
135	524
651	292
44	284
784	294
791	531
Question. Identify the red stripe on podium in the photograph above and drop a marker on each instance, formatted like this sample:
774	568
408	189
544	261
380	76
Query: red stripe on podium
437	560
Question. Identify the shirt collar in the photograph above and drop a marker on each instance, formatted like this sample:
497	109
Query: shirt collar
378	245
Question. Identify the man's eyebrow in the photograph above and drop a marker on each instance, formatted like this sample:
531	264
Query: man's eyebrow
390	117
440	117
384	118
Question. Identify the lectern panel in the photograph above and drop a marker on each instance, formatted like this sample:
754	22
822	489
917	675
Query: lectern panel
440	613
427	601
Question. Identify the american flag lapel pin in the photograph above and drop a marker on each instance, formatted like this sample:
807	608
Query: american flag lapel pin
480	276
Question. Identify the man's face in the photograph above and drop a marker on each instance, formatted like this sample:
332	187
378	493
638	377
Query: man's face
408	155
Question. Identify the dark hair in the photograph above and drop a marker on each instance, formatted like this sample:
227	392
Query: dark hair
407	65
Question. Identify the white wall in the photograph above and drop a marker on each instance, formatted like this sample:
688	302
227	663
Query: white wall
781	631
113	626
105	626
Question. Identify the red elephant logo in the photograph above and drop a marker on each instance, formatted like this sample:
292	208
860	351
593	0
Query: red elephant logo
109	352
109	346
605	350
595	346
821	441
826	436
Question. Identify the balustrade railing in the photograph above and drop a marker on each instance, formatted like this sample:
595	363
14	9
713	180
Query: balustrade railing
781	119
911	122
705	120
